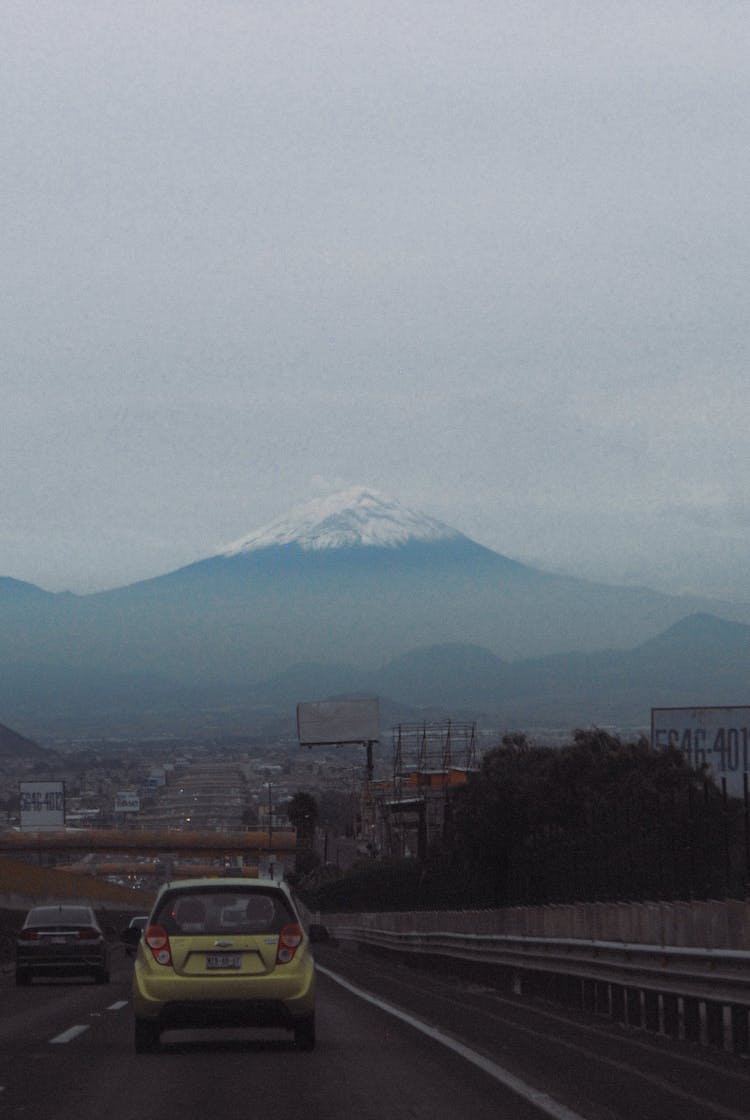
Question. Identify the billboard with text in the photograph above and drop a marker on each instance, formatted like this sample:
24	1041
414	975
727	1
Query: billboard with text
42	805
127	801
715	737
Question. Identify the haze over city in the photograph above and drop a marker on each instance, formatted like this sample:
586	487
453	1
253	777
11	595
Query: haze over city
491	261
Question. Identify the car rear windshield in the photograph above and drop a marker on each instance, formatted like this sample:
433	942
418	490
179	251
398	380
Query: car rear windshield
60	916
224	911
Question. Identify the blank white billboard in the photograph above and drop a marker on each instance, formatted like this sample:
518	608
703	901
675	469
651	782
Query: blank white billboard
716	737
42	805
338	721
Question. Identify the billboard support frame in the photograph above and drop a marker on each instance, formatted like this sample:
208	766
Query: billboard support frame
340	723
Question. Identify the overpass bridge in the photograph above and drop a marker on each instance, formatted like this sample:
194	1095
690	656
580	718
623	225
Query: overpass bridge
115	841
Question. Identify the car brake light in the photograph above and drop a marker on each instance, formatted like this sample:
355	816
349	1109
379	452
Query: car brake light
157	940
86	933
29	935
290	940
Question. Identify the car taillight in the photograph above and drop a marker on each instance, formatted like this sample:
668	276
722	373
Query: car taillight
290	940
157	940
29	935
86	933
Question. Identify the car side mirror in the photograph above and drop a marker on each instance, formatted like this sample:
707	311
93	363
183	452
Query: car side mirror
131	936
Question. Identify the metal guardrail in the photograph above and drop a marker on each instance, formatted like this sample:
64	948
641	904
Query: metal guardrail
711	924
714	975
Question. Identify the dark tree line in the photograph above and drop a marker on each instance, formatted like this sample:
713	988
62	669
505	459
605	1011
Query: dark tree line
598	820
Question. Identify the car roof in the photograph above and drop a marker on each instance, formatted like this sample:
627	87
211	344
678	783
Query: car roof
229	881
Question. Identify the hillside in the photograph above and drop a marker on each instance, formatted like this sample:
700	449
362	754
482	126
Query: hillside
700	661
14	746
32	884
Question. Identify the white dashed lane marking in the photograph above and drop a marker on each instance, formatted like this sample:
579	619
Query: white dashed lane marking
69	1034
73	1032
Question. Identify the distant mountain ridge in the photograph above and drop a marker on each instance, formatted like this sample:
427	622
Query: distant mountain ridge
358	587
607	686
18	590
16	747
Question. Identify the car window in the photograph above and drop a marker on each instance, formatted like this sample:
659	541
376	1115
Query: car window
224	911
60	915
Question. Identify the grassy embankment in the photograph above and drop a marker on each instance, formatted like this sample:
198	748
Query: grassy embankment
23	884
42	883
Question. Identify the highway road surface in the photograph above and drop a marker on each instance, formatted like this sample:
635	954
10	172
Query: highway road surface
393	1042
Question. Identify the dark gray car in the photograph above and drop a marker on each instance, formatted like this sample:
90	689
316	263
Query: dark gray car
62	940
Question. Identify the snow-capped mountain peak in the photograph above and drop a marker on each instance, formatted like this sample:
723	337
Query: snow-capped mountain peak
358	517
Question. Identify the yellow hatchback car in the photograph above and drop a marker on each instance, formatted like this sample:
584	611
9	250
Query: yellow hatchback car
223	952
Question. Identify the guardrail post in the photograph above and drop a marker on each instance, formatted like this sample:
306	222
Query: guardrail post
692	1018
526	985
651	1011
601	998
715	1024
633	1006
575	991
558	987
740	1032
617	996
671	1005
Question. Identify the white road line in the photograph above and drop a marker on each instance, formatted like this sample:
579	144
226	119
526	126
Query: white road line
541	1101
116	1006
69	1034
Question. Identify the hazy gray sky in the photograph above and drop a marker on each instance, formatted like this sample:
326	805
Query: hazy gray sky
491	258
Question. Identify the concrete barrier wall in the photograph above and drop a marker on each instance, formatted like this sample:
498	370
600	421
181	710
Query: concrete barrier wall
707	925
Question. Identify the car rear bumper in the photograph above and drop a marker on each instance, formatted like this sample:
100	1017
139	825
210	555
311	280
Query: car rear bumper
260	1001
196	1014
62	964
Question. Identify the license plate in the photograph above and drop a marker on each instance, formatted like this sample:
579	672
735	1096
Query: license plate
59	940
223	960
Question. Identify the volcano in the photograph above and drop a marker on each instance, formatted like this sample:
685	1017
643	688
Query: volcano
354	580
